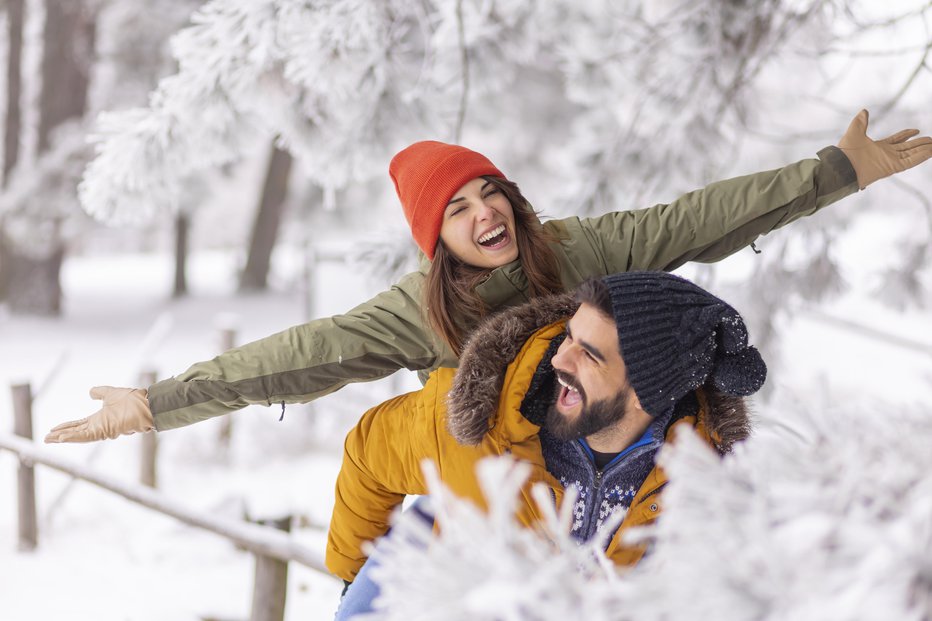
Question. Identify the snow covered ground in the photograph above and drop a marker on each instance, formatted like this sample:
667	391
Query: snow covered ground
101	557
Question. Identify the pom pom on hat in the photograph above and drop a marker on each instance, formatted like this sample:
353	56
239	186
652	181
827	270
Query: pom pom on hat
426	176
739	374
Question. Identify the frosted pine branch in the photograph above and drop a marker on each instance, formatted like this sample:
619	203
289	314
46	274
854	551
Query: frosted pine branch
144	155
339	84
485	566
833	526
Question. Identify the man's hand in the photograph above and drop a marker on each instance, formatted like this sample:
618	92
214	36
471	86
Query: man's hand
124	411
876	159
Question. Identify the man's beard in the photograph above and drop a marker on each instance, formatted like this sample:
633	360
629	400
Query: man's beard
592	418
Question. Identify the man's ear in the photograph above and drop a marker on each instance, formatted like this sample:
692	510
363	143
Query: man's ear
633	405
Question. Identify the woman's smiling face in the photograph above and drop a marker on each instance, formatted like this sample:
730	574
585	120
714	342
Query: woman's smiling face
479	226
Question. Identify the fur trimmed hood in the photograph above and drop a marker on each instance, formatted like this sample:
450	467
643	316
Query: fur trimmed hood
493	346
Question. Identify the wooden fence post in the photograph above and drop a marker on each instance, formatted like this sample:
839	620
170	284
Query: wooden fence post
149	444
271	586
227	342
26	476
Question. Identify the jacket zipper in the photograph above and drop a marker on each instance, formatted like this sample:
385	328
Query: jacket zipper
596	500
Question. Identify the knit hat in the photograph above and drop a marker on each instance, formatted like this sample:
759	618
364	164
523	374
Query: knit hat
426	176
675	336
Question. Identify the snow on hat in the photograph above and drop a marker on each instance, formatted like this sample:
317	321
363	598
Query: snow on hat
675	336
426	176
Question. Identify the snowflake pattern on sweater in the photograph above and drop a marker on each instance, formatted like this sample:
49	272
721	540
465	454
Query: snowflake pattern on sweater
579	509
599	496
615	500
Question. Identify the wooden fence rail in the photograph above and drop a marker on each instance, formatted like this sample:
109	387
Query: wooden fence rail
272	547
260	540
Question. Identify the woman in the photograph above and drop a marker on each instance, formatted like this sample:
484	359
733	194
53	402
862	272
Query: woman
485	250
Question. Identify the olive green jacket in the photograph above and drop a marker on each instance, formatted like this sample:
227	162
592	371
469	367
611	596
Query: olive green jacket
389	332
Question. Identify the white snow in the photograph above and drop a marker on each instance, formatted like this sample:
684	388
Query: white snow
102	557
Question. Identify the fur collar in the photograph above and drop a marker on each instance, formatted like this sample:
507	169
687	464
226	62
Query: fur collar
474	396
728	420
473	399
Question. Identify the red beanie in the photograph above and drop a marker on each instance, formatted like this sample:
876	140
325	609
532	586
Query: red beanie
426	176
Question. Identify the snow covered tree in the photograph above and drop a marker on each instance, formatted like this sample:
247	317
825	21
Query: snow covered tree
93	53
591	106
12	117
32	269
484	566
833	525
344	84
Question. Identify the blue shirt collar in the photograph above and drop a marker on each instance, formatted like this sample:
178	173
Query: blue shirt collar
644	440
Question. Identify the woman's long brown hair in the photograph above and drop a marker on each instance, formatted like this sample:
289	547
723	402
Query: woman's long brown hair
450	299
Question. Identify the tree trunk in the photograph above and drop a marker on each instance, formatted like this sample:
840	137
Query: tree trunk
32	283
13	120
68	40
4	266
268	219
13	87
182	224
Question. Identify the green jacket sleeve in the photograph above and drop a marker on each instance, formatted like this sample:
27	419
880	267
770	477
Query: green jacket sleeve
304	362
709	224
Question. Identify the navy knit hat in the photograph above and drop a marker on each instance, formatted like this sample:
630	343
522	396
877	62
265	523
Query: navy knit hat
675	336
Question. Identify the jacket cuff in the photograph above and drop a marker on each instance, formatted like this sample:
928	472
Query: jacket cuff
840	171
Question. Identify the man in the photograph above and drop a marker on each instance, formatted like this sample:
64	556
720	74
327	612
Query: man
586	401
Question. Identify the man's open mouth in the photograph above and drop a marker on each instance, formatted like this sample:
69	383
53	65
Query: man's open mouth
569	394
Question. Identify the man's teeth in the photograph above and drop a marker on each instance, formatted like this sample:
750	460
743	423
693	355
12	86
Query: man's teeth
498	230
567	386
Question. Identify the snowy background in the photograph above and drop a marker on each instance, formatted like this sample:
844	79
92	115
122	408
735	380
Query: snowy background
590	106
101	557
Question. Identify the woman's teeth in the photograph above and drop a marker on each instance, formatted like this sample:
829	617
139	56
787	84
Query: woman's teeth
492	236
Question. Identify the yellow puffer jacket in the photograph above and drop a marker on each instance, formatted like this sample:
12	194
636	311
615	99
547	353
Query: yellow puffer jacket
480	403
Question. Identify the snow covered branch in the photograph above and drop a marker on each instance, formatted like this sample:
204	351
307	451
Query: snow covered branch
833	526
485	566
319	76
642	88
590	106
